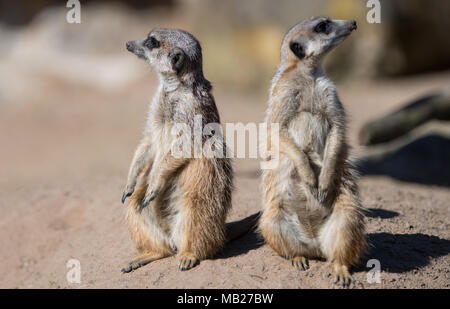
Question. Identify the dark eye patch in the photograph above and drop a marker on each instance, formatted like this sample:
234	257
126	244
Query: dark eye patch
152	43
323	27
297	49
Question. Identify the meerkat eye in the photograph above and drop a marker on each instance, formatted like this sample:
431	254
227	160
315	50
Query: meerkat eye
322	27
152	43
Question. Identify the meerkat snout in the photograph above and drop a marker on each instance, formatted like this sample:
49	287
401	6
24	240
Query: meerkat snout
130	46
137	48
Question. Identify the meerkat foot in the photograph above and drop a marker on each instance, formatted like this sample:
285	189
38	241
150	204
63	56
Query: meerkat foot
300	263
187	262
342	277
141	261
131	266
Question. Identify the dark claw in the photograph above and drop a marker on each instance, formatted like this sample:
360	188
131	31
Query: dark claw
336	279
147	200
132	266
343	281
182	267
152	196
322	195
301	265
347	282
314	192
187	264
126	269
305	265
145	203
125	195
185	267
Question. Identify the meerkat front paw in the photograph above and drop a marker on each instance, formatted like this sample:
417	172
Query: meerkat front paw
322	194
323	191
150	195
311	185
127	192
312	190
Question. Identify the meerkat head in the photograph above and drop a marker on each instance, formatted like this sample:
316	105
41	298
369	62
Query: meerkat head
171	52
314	38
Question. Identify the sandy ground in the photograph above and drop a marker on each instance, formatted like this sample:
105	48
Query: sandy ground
64	157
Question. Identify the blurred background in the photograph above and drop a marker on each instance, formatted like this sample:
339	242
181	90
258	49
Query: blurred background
240	38
73	104
50	69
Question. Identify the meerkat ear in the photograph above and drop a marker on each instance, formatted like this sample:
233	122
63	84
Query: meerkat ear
177	57
297	49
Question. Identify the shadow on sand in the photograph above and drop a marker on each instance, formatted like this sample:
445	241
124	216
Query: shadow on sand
400	253
425	161
380	213
397	253
246	243
242	244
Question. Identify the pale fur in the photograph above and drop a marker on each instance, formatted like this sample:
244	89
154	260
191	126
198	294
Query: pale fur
311	201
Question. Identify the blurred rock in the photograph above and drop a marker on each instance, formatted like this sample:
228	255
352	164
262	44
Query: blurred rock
417	37
423	159
411	144
435	106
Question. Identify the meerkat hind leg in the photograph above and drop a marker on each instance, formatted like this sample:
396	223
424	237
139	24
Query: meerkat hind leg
142	260
283	236
343	237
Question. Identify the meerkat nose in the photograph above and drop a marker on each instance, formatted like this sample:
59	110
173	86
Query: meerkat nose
129	45
354	25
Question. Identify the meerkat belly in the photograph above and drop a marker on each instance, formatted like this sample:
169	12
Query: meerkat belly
161	136
310	132
286	182
165	211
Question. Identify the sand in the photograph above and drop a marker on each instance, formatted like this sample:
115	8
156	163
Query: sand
64	159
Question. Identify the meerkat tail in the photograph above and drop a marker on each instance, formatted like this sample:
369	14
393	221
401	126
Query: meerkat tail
237	229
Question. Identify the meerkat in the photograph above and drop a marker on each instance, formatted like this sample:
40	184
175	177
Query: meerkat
311	200
177	205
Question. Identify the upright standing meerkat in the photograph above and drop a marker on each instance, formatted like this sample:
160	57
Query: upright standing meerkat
178	205
311	201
